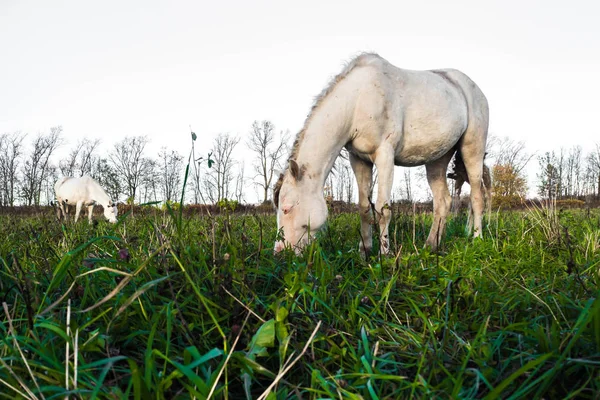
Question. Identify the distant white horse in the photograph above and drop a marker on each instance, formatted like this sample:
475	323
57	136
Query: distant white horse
83	191
384	116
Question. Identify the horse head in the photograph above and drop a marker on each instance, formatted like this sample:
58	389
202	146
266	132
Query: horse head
301	208
110	212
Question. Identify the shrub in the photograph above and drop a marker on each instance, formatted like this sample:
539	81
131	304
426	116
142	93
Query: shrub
174	205
227	205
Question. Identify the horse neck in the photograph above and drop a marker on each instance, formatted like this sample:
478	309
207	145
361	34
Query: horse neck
325	135
99	195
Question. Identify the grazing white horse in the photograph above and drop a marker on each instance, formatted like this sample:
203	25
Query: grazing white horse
384	116
83	191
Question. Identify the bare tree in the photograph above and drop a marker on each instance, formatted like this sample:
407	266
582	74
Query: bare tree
171	165
349	183
80	160
341	180
573	173
208	188
108	177
550	185
588	178
37	166
593	170
67	165
408	184
129	162
505	151
11	147
86	160
218	179
239	184
269	149
150	181
329	187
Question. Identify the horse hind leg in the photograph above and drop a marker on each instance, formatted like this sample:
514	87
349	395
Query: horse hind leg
487	207
436	176
473	159
90	213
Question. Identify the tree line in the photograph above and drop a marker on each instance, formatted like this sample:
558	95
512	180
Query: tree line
29	169
569	173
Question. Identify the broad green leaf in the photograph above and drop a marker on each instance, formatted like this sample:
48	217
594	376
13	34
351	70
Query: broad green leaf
264	337
282	314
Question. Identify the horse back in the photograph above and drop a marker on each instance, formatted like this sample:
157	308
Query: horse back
74	189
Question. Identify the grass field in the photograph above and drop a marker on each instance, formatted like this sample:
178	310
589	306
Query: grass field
160	306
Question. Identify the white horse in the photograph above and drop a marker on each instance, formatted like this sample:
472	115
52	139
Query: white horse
83	191
384	116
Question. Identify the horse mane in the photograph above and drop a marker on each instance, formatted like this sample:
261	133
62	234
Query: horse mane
359	60
62	180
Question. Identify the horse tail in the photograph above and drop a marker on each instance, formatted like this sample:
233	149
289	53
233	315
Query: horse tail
486	182
487	176
458	167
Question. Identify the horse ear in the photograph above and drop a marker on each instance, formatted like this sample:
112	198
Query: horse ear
295	170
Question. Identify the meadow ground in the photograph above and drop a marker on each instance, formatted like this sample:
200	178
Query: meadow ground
165	306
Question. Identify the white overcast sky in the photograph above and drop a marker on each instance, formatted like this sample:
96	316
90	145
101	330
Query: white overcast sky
115	68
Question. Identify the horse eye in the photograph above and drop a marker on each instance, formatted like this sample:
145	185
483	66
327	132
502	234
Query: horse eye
304	226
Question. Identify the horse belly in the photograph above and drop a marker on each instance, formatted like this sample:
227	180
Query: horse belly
420	153
424	141
431	128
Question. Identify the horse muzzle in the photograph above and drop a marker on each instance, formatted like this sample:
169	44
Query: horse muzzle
279	246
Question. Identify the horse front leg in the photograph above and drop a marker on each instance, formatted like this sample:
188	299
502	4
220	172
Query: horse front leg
436	176
363	171
78	210
384	162
60	212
